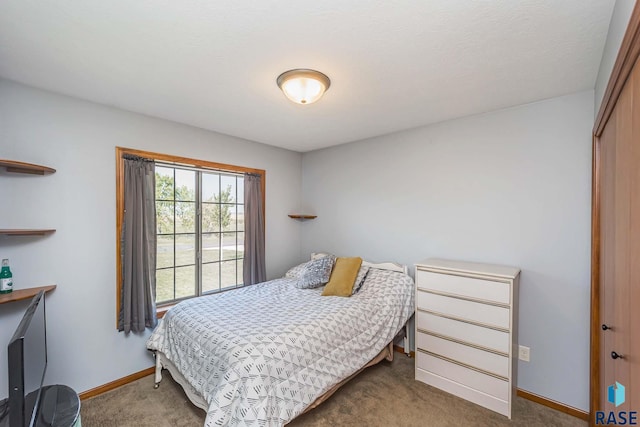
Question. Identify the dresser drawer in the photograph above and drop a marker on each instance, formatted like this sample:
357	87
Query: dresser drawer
481	359
467	332
471	378
483	314
488	290
461	390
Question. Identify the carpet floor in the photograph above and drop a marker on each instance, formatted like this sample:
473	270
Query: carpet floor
382	395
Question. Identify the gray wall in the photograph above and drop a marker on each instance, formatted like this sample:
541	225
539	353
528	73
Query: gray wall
509	187
617	27
78	139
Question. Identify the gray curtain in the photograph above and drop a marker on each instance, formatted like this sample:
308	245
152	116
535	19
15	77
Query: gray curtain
254	266
138	245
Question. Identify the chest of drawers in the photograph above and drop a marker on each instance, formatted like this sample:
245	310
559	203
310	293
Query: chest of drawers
466	330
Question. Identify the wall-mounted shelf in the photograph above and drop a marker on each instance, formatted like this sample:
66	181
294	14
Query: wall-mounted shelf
28	168
25	232
21	167
21	294
302	217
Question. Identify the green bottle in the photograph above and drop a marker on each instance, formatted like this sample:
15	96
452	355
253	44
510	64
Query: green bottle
6	278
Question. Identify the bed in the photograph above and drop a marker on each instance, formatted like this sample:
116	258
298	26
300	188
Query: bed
266	353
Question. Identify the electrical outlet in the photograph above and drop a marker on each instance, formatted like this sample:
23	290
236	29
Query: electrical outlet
524	353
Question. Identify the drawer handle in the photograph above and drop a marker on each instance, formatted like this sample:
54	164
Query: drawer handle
605	327
615	355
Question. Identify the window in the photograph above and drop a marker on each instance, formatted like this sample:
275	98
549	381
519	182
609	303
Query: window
200	225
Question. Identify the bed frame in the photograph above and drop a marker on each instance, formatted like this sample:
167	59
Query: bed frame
385	354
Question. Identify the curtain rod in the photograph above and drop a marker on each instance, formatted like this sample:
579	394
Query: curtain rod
127	156
197	169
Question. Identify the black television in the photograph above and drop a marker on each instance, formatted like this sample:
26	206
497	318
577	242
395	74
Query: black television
27	356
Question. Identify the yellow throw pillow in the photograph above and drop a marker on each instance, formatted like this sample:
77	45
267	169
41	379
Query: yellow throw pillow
342	277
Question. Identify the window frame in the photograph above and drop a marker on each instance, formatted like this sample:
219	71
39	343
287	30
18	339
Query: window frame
177	161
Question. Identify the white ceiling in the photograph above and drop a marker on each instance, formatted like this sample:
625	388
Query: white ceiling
393	64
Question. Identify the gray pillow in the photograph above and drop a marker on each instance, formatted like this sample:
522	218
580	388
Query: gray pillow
362	274
318	255
316	273
296	271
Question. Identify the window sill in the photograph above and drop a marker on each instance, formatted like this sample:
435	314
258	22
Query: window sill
161	311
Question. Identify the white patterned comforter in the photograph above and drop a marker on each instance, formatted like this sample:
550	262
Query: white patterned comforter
260	355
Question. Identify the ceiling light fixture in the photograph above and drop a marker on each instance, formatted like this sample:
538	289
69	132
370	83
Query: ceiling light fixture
303	86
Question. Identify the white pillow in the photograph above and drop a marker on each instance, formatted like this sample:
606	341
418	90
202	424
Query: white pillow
380	266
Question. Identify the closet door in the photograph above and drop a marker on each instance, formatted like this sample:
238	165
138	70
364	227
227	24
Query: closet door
607	254
619	198
632	302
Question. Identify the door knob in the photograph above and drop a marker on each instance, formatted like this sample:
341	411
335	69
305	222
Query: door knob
615	355
605	327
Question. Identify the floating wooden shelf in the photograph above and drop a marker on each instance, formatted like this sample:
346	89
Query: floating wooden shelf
22	294
28	168
302	217
24	232
21	167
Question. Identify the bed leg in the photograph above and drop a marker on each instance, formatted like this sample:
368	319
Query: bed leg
407	351
390	352
158	374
